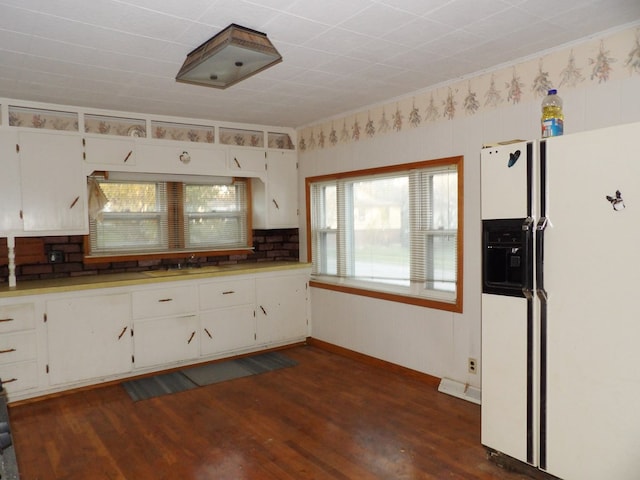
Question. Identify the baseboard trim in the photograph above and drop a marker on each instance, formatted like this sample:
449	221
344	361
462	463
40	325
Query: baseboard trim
376	362
460	390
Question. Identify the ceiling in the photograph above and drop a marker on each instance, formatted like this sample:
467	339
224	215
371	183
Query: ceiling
339	55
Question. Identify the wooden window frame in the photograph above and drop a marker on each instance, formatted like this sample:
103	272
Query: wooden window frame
457	305
177	237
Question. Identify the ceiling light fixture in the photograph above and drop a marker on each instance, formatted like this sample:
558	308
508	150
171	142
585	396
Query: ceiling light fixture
230	56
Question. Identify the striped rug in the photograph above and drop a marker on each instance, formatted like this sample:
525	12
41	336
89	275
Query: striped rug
188	378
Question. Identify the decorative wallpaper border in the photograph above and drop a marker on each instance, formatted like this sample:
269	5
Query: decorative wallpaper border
593	62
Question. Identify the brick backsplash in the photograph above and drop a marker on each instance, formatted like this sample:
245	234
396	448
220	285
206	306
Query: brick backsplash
269	246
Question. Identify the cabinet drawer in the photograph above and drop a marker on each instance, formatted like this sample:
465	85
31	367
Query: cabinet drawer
19	376
165	301
17	347
227	294
16	317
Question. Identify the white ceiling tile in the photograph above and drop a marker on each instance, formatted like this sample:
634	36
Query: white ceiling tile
417	7
337	40
248	14
329	12
190	9
291	29
377	19
416	32
460	13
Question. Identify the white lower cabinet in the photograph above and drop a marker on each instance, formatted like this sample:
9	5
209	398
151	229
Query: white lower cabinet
281	312
167	340
227	329
165	329
18	347
227	315
52	342
88	337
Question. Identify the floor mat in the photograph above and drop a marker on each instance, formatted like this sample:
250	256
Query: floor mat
179	381
163	384
240	367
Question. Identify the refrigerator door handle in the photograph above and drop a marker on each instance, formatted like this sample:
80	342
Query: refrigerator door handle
540	227
527	284
543	296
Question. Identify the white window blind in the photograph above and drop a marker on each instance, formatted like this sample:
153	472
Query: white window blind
150	217
394	232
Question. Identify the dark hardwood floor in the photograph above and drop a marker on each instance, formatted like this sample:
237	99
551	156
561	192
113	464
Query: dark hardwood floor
330	417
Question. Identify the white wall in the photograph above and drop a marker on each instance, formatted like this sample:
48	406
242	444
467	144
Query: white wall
436	342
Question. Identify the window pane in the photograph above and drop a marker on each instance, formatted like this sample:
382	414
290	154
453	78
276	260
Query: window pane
381	250
133	219
324	210
141	233
215	216
214	231
131	197
441	264
211	198
445	201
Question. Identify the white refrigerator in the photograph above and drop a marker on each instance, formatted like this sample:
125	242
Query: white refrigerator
560	304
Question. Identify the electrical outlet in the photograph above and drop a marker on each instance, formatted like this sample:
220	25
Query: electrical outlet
472	365
56	256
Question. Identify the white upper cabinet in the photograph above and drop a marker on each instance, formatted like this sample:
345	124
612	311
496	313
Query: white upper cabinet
109	150
54	189
10	197
275	201
247	162
186	158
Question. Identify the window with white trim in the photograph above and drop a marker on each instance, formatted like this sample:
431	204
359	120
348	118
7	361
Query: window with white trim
149	217
393	232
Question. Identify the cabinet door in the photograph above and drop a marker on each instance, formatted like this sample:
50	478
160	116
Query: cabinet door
281	308
276	200
246	161
162	341
226	329
88	337
10	197
109	150
54	189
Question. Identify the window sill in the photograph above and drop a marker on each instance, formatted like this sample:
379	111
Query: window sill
354	289
128	257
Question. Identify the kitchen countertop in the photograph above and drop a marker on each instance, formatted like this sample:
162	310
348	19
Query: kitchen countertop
87	282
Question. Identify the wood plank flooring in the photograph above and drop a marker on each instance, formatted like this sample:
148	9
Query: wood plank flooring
329	417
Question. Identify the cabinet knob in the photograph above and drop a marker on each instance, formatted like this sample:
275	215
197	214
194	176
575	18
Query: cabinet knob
185	157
